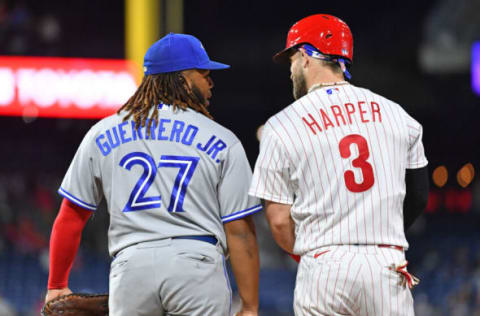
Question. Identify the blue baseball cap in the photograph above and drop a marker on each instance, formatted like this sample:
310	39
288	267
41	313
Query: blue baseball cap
176	52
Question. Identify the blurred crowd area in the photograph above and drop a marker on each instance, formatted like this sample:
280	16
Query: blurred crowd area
444	254
444	243
25	31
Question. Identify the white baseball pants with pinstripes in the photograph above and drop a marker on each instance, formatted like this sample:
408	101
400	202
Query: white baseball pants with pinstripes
351	280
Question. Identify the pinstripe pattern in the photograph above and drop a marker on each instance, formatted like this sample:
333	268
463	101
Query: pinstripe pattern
351	280
301	164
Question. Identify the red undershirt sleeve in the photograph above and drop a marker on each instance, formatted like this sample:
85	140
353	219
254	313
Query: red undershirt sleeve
64	241
295	257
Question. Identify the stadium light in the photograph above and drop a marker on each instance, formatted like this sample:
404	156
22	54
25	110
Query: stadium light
465	175
476	67
440	176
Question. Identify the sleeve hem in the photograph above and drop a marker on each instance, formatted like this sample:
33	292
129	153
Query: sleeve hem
417	165
241	214
56	286
270	197
76	200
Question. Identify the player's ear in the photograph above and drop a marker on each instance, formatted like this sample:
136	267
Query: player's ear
305	60
185	77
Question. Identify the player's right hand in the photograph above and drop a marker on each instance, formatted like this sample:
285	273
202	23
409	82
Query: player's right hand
51	294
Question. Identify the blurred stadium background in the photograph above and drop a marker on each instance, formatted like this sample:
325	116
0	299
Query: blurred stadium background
418	53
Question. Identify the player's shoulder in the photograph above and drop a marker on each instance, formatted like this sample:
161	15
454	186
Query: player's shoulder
362	92
274	122
277	120
90	137
393	105
381	99
106	123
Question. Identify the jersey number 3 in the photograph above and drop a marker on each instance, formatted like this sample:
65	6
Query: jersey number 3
138	201
359	162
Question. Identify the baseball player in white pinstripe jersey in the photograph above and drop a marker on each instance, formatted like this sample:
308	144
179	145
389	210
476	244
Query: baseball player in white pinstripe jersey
176	186
343	174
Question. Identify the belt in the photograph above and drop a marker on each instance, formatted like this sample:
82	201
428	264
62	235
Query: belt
381	246
206	238
391	246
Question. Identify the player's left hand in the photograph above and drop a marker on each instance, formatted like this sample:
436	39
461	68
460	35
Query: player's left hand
51	294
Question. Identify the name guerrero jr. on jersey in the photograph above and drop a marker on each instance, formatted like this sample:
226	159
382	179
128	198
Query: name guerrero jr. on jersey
167	130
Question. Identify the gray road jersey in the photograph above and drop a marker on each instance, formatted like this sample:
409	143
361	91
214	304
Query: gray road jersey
188	177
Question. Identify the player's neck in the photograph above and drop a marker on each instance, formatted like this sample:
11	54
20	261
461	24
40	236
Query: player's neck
321	84
324	79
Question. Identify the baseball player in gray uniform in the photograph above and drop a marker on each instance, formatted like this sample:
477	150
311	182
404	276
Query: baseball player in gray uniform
175	183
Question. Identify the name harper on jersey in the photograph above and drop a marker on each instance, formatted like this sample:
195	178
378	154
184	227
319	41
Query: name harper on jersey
166	130
336	115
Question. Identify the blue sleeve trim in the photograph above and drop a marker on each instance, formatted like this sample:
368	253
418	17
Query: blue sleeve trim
75	200
240	214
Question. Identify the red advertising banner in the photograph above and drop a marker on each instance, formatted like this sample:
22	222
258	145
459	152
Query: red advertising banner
64	87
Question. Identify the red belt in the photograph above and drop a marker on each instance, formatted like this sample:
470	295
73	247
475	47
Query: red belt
318	254
391	246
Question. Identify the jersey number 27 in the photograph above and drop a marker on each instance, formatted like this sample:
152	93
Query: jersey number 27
137	200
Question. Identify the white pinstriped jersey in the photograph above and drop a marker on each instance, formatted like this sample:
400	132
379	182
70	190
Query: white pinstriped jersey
338	155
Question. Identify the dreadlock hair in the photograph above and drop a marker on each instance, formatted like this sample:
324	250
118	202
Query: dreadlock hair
167	88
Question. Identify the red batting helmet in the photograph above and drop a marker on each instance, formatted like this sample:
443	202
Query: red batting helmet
328	34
